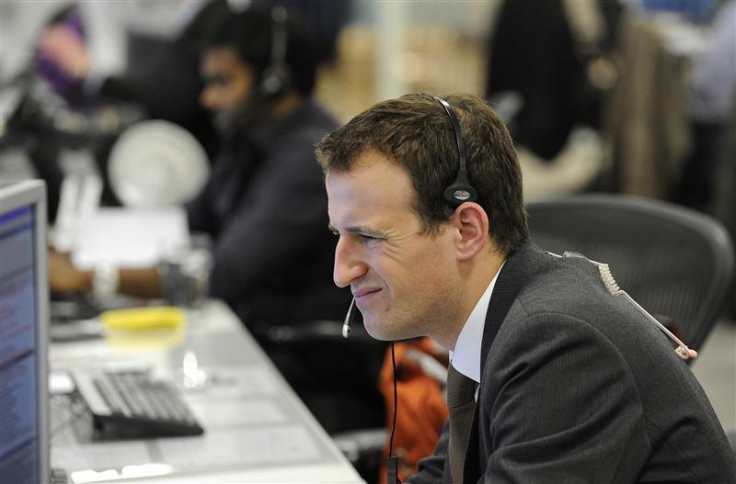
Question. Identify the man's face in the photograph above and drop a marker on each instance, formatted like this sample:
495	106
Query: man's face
404	281
228	81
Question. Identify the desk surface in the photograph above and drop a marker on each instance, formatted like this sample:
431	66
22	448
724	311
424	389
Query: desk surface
256	428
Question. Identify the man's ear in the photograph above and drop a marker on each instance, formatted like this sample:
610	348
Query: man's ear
472	224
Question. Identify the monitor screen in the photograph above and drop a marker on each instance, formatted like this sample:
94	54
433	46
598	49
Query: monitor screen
24	433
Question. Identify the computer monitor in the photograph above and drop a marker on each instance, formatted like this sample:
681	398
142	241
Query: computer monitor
24	428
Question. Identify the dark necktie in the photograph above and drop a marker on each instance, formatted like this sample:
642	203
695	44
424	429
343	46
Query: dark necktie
461	403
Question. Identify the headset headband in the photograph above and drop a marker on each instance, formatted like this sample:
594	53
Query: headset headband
460	190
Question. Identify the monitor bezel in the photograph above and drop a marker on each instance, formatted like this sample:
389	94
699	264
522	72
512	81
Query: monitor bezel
32	193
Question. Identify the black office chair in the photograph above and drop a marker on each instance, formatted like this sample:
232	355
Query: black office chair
674	261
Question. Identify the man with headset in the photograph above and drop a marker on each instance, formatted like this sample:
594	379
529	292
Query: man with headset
553	377
265	201
264	206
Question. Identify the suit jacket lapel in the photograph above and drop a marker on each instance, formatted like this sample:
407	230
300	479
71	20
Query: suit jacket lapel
514	274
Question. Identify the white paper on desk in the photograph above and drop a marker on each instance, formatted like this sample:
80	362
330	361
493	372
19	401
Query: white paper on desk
245	447
229	382
129	237
100	455
229	414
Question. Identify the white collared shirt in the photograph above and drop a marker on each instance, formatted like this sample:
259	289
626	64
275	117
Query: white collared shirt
465	357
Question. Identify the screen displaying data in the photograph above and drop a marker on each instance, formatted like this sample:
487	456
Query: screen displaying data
19	355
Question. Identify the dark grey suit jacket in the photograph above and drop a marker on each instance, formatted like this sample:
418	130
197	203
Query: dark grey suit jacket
578	386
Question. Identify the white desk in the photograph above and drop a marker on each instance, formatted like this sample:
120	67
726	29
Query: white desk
256	428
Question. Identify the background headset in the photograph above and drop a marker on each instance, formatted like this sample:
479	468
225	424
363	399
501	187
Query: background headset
275	78
460	190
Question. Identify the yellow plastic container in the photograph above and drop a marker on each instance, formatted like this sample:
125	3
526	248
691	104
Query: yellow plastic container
141	319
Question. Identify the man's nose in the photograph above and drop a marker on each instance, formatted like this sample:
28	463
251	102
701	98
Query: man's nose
348	263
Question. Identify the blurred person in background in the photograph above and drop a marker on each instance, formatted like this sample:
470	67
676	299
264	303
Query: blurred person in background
94	69
710	102
140	60
265	209
709	183
79	53
547	75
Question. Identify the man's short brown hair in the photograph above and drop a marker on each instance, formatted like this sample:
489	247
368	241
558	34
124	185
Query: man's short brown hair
415	132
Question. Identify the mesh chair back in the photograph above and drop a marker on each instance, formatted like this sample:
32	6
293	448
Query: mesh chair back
673	261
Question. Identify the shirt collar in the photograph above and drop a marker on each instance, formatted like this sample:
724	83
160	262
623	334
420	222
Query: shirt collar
465	357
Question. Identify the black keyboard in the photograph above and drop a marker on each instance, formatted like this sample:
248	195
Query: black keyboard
130	404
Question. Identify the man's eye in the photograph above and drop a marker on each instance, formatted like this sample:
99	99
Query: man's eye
369	239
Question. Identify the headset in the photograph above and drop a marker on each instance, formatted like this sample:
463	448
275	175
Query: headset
275	78
460	190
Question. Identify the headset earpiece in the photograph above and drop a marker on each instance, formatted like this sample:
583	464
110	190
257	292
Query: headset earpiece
273	82
460	190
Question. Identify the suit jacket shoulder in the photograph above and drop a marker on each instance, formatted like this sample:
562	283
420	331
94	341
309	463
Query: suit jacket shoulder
577	385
